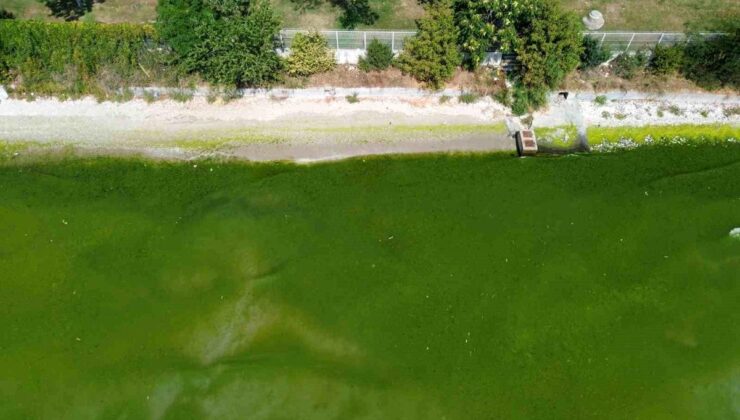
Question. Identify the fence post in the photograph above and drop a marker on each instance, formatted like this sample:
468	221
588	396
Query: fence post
661	39
282	45
393	41
603	37
628	45
364	39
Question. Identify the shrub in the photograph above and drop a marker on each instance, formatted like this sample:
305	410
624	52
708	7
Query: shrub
309	55
444	99
431	56
4	14
715	62
503	96
593	53
731	111
627	65
150	97
181	95
353	99
527	99
666	60
468	98
675	110
73	58
379	56
235	45
600	100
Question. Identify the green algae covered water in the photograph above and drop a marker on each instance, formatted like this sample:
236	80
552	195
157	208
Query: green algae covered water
434	287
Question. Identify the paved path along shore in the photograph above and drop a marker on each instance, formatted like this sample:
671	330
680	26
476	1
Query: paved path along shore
320	124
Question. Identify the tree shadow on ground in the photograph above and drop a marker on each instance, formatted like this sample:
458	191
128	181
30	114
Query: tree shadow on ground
70	9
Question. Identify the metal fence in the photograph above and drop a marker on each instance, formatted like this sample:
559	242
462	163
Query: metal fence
359	40
351	40
635	41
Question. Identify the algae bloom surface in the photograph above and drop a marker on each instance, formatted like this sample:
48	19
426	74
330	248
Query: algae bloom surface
456	287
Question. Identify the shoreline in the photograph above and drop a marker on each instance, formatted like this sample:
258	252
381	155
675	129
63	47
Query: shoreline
312	125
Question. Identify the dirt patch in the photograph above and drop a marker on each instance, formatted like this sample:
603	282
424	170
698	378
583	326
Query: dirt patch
346	76
602	79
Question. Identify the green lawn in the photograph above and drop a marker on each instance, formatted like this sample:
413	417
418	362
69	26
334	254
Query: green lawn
457	287
655	15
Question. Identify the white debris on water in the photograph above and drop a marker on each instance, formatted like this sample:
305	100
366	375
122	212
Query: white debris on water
735	233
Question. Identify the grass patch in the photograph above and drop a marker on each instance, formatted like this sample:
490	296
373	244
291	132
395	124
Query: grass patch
352	99
181	95
468	98
395	287
557	137
668	15
707	132
600	100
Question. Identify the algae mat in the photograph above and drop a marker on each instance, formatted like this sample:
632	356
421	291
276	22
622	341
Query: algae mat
433	287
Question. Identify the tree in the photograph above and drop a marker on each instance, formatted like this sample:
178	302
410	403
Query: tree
229	42
548	45
714	62
176	21
431	56
379	56
546	40
69	9
355	12
309	55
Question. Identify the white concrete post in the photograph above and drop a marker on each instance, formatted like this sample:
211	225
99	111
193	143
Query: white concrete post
393	41
364	39
628	45
661	38
336	36
603	37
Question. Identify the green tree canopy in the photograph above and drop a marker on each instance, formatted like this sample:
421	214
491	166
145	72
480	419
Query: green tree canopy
431	56
229	42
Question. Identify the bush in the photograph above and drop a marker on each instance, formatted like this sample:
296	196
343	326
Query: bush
593	53
309	55
353	99
666	60
431	56
600	100
526	99
4	14
715	62
503	96
379	56
235	45
628	65
74	58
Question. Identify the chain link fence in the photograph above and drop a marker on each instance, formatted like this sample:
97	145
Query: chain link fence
359	40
